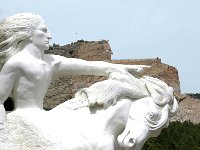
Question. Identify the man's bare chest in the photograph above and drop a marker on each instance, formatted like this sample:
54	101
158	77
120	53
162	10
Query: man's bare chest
37	71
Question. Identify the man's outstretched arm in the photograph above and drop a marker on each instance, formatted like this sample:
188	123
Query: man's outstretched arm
73	66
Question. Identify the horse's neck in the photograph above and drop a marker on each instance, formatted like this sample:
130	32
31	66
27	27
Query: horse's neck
73	104
117	117
111	120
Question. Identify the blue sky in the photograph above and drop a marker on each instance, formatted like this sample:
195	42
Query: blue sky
167	29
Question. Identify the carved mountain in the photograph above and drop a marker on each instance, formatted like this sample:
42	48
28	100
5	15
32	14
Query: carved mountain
64	88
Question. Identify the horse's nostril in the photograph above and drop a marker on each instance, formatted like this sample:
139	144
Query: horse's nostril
131	140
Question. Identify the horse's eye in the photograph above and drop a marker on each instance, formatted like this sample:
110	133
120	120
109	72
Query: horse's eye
151	115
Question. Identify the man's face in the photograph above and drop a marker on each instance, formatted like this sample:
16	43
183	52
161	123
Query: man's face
41	37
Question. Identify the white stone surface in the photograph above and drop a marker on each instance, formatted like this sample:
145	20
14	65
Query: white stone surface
97	115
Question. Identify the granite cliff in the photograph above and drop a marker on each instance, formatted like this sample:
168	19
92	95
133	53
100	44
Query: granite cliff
64	88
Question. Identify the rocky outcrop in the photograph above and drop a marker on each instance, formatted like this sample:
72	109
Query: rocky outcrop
89	50
168	74
65	87
188	110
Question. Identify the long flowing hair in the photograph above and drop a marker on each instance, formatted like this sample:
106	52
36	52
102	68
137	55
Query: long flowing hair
13	30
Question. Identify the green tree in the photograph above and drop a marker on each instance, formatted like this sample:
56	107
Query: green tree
178	136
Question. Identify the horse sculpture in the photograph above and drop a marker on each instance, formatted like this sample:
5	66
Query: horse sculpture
149	115
119	113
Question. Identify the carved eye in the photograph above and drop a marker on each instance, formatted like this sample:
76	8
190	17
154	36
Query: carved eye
44	29
151	115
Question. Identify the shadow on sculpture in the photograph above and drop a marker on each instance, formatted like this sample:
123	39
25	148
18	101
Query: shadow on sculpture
121	112
9	104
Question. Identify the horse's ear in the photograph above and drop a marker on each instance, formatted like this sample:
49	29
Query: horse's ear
174	108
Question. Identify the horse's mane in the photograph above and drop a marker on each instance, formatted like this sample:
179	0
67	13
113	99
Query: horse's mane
106	93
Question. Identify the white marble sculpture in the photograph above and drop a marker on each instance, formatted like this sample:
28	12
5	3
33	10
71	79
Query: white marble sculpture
121	112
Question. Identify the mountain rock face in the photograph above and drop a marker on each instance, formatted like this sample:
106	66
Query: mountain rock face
168	74
188	110
65	87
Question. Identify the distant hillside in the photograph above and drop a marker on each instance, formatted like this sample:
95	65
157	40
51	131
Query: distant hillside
195	96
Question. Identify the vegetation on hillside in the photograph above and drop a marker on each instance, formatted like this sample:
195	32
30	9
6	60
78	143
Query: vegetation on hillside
194	95
178	136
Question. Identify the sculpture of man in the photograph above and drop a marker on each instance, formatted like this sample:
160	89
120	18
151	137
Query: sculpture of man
27	72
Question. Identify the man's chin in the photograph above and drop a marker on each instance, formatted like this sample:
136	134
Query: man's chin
46	48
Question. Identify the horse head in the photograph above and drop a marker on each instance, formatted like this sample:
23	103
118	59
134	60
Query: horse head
148	116
126	109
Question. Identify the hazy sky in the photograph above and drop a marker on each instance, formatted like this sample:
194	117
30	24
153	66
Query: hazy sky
168	29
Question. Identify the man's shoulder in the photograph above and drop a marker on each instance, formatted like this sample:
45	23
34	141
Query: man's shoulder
16	60
12	65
